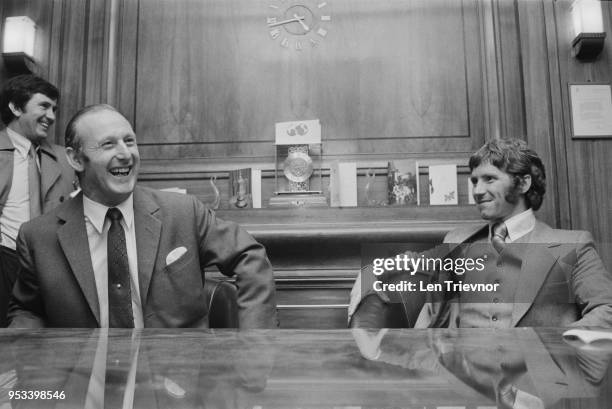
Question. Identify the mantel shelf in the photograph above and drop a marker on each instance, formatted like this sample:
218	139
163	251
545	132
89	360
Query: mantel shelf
392	224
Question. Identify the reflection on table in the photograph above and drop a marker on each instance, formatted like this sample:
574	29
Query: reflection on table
471	368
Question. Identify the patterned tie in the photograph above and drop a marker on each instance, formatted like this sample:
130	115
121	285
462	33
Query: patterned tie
34	183
118	362
500	232
119	291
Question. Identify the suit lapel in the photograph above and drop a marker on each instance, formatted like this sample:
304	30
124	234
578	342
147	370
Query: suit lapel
148	231
49	169
6	164
534	270
72	237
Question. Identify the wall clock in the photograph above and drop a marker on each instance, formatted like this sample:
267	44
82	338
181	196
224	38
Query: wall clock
298	24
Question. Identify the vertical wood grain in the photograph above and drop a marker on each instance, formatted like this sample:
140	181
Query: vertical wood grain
388	70
588	160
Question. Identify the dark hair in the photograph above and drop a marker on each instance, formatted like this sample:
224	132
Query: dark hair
19	90
512	156
71	139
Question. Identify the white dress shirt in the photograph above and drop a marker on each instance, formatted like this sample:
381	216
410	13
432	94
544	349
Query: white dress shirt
518	225
17	207
97	232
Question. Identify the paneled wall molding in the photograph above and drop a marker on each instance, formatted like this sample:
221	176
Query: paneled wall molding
487	14
473	70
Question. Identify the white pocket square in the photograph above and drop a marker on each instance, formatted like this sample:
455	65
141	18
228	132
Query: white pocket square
175	255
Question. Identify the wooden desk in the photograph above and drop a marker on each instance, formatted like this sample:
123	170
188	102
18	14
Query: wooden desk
304	369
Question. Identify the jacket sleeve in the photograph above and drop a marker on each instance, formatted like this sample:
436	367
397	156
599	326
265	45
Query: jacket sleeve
591	285
236	253
25	307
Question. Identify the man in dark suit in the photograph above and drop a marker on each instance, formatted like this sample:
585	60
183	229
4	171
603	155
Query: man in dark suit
120	255
34	174
543	276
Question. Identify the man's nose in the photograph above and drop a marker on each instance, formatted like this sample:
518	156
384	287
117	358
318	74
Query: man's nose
50	114
478	189
122	150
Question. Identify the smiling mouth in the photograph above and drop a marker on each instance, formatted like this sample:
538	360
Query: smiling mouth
124	171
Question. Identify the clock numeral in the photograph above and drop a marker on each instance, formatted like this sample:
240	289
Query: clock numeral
275	33
325	18
321	5
314	42
298	45
271	20
285	42
322	32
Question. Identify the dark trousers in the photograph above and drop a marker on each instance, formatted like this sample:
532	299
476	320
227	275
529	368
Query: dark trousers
9	265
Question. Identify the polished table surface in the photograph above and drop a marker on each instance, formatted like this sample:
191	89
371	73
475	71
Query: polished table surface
152	368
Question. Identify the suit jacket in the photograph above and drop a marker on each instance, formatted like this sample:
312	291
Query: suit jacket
56	176
563	281
56	287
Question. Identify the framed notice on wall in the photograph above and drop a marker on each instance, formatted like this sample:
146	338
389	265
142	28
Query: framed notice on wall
591	106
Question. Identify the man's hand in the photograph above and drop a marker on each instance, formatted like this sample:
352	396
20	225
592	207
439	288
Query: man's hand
369	342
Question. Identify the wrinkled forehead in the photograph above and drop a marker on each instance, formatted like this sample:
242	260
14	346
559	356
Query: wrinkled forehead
38	97
99	124
486	167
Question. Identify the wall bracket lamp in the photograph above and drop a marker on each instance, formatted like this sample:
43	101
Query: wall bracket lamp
588	29
18	45
587	46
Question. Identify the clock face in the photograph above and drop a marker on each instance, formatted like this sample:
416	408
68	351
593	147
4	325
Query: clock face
298	24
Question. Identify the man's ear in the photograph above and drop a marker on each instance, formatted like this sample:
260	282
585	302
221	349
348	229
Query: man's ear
525	183
15	110
75	159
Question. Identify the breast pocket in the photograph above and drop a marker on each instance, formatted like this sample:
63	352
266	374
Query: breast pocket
186	260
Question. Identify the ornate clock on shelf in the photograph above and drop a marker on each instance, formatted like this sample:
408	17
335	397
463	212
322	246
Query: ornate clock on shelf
298	24
298	176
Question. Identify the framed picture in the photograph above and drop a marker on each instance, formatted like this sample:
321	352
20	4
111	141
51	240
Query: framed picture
591	110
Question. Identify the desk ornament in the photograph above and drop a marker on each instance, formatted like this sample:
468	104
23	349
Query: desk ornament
298	176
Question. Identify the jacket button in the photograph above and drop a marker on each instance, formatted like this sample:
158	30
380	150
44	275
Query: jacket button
61	199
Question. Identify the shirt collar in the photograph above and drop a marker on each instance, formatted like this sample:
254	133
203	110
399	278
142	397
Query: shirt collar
518	225
20	142
96	212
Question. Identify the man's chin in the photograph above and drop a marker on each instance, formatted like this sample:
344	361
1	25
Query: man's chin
485	215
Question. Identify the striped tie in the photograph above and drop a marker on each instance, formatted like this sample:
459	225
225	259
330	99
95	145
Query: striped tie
500	232
34	183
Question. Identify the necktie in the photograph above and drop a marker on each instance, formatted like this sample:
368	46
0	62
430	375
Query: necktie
500	232
118	363
119	291
34	184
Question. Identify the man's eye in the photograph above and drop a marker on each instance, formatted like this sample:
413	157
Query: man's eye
130	142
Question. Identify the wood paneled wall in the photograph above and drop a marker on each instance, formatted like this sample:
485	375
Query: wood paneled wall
204	83
589	167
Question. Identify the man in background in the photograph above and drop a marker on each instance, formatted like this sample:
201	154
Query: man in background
34	174
121	255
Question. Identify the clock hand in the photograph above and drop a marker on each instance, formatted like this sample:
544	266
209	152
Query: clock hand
301	21
291	20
